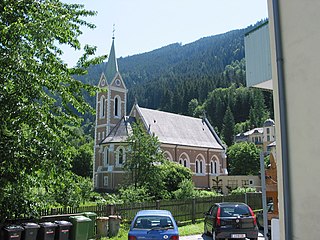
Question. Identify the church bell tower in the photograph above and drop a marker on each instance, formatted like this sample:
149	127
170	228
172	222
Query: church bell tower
111	103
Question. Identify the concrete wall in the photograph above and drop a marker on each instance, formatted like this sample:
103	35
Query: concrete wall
299	22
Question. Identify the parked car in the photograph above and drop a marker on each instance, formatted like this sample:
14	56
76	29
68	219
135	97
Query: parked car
231	220
153	224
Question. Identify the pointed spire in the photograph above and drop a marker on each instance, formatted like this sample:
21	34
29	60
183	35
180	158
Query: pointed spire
112	65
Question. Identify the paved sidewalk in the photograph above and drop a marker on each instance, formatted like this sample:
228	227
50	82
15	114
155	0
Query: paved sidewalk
205	237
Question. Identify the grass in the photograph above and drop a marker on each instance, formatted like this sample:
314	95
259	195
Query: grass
189	229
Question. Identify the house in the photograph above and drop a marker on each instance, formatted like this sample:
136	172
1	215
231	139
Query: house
185	140
261	137
294	62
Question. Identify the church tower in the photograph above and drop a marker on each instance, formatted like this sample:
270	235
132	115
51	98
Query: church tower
111	103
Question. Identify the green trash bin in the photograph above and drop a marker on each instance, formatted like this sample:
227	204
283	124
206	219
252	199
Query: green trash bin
92	225
80	227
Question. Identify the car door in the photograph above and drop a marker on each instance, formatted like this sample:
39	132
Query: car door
210	218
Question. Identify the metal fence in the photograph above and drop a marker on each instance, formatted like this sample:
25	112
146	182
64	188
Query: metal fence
182	210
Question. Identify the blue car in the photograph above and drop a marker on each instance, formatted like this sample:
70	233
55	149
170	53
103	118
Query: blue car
153	225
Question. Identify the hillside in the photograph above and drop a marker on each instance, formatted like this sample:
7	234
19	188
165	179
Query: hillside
168	78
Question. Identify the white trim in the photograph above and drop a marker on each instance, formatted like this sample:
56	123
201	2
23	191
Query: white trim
169	155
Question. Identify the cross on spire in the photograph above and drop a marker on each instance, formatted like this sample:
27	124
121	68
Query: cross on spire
113	30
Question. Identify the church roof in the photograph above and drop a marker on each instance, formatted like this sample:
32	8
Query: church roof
177	129
120	132
112	65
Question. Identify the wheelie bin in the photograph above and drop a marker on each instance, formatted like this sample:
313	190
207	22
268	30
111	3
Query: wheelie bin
12	232
30	231
80	227
46	231
92	225
62	230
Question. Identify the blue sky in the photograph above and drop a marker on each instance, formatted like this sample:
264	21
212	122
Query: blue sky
145	25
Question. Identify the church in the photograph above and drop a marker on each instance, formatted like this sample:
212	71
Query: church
185	140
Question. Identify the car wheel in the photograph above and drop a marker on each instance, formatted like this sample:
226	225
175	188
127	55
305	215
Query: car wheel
253	238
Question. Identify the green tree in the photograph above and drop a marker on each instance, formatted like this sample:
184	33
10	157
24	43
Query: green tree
243	159
228	127
39	99
173	174
143	157
82	160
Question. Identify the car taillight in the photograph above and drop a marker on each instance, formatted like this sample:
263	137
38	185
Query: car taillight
131	238
254	216
218	217
175	237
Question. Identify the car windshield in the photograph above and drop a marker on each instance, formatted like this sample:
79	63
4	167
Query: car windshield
234	211
153	222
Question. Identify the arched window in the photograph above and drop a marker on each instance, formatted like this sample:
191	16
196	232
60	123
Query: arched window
102	107
214	165
197	166
201	164
168	156
106	157
184	159
120	156
117	106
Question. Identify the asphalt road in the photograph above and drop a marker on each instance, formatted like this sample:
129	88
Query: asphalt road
205	237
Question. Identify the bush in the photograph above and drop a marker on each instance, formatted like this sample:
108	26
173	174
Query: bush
134	194
241	190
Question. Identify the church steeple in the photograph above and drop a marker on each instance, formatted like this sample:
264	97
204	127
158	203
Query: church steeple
112	66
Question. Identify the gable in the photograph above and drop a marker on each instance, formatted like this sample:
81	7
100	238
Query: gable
117	82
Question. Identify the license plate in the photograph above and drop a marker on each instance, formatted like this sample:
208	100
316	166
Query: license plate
238	235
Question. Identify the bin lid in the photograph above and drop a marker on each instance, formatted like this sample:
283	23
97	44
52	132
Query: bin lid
80	219
30	225
89	214
63	223
48	224
13	228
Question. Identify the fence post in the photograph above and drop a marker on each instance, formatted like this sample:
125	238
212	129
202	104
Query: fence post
193	217
157	204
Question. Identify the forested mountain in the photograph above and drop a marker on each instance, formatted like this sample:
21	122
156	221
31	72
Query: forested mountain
204	75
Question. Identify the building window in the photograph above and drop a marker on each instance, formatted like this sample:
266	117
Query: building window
268	138
211	167
120	156
106	157
232	184
251	182
105	181
117	106
184	160
197	166
102	107
215	167
200	160
99	136
268	130
245	183
102	135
